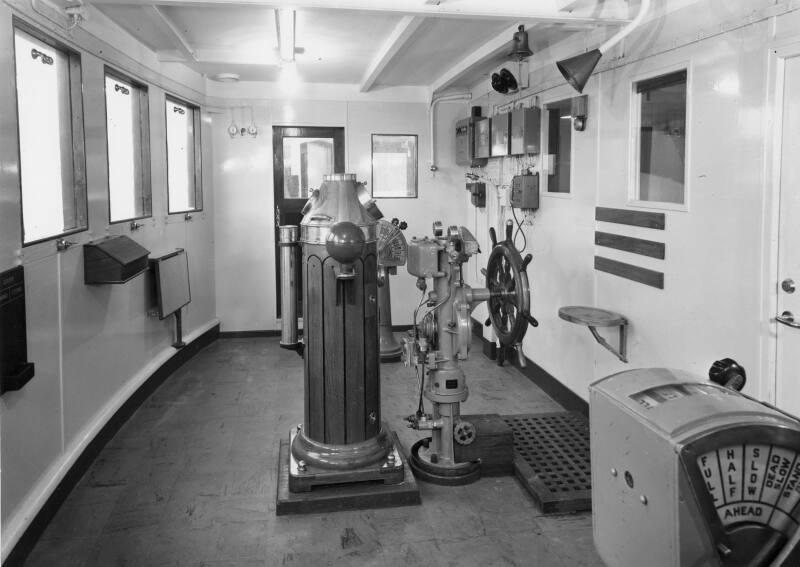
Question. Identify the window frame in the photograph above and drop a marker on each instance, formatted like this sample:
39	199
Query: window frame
545	147
144	150
635	141
416	166
198	153
79	194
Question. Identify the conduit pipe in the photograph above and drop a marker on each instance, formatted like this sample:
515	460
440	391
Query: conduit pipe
576	70
73	13
434	102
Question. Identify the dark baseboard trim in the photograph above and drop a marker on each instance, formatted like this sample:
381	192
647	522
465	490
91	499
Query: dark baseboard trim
43	517
273	333
554	388
551	386
248	334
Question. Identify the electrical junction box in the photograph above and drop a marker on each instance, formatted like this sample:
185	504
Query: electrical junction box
689	473
525	191
526	125
466	150
478	194
483	139
500	125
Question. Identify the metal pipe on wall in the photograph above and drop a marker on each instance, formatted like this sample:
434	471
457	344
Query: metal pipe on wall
435	101
621	34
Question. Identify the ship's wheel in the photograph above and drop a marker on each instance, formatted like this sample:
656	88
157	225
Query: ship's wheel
507	281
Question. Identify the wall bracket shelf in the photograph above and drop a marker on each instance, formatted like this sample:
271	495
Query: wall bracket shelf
594	317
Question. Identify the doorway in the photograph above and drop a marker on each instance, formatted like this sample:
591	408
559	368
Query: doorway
787	313
301	157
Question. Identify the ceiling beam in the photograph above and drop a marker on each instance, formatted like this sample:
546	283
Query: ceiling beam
499	44
226	56
169	29
615	12
398	38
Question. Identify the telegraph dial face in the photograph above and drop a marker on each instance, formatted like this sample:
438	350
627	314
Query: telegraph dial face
747	482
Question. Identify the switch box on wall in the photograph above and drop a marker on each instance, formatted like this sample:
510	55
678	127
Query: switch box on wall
525	191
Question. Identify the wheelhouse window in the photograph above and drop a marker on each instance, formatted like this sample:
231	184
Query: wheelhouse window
184	183
661	145
559	146
128	139
52	160
394	165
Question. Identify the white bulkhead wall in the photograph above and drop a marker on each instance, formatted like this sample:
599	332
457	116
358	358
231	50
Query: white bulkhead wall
92	346
244	216
712	302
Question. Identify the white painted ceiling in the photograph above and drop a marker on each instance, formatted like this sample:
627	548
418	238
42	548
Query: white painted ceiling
374	43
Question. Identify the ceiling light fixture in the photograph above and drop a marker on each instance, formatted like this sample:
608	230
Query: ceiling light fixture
226	77
285	24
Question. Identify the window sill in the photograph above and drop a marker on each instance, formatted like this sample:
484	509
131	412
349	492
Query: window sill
659	205
556	194
49	239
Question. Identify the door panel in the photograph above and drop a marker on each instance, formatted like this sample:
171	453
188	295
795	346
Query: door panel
788	283
302	156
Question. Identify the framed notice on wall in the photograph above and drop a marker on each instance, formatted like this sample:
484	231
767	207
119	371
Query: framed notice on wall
394	165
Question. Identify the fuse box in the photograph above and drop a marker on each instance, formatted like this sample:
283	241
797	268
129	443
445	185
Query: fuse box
525	130
466	140
478	193
483	139
525	191
500	126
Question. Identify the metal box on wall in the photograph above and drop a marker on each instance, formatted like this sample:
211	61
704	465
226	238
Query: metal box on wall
525	191
466	151
15	370
500	126
674	493
113	259
525	130
483	138
477	194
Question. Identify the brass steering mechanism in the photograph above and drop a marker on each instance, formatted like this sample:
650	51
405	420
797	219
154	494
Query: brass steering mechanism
441	338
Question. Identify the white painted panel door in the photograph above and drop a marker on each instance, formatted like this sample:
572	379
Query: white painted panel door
788	316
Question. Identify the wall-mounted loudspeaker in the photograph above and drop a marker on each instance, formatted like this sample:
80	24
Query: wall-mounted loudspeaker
510	78
504	81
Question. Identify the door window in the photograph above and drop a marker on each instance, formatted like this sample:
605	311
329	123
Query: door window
305	161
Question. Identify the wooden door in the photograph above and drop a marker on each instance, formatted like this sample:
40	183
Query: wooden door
301	156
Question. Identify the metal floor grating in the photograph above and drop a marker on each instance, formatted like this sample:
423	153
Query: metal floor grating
551	459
